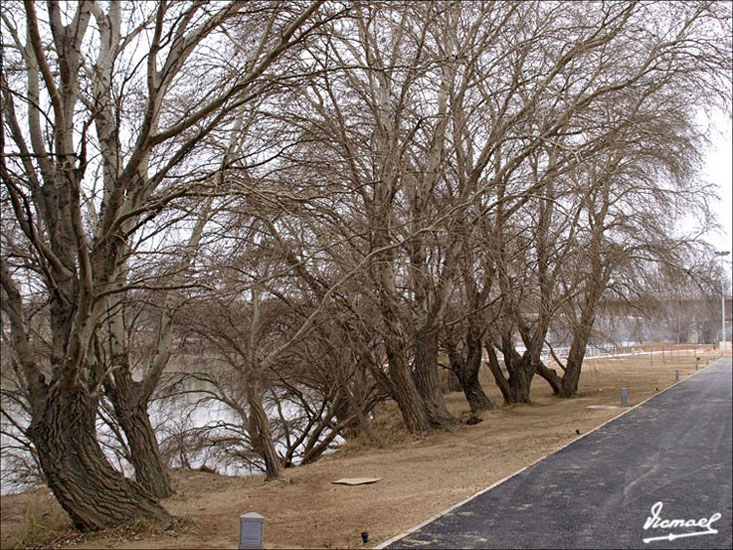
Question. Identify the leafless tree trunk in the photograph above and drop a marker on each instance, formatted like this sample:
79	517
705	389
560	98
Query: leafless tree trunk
466	368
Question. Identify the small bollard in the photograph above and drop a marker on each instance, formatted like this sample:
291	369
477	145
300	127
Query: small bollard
364	537
251	531
624	395
677	375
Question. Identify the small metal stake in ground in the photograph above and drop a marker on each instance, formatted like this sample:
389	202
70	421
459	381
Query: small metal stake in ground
624	395
677	375
251	531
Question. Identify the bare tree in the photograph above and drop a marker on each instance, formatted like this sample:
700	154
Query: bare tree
99	135
619	117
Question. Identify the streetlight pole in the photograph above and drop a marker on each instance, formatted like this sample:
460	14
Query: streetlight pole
722	298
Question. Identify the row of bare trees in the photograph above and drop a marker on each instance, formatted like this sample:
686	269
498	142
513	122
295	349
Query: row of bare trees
322	203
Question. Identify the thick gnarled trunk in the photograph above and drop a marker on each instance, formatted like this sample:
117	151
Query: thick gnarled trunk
571	377
130	402
150	471
467	369
427	381
403	390
515	388
520	381
477	399
400	382
261	434
95	495
550	375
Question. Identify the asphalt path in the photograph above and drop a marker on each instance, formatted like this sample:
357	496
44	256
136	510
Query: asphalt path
601	490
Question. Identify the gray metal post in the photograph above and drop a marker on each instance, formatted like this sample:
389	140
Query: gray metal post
677	375
624	395
251	531
722	253
722	310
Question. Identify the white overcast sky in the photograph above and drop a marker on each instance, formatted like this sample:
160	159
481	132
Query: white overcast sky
718	169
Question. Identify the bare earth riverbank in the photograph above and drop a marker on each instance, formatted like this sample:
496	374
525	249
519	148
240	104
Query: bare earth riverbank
420	476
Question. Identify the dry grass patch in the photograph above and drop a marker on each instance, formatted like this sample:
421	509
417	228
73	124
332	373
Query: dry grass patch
35	520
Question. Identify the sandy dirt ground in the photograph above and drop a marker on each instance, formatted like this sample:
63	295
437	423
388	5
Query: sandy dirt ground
420	475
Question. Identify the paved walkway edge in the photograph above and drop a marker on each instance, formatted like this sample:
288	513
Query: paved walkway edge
507	478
